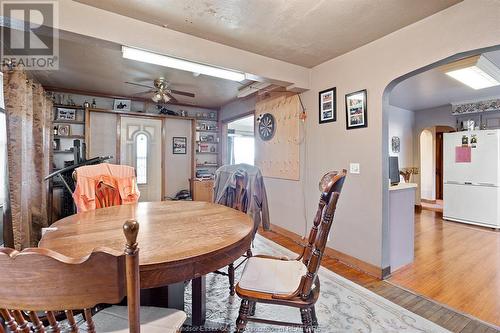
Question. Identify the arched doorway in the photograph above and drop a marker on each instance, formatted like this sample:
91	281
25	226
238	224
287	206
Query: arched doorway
431	166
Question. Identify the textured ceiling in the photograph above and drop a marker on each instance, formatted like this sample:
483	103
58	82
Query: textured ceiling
303	32
434	88
94	65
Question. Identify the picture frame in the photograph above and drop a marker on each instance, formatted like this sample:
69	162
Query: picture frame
179	145
122	104
356	110
396	144
65	114
64	130
327	105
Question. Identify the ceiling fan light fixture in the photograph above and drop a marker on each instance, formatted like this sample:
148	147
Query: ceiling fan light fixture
185	65
156	97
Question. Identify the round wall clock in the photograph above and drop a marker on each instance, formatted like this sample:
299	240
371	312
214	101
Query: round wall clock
267	126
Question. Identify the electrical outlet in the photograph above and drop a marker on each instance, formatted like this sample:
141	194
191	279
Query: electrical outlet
354	168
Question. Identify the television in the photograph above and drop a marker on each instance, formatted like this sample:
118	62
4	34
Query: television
394	170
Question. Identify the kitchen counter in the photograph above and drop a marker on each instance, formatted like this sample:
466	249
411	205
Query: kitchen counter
403	186
401	224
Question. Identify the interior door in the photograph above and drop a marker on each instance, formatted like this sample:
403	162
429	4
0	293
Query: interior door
141	147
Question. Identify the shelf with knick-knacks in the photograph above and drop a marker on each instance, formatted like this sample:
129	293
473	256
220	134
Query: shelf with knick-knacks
207	141
68	128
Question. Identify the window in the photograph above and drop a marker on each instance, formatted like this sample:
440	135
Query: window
244	150
141	155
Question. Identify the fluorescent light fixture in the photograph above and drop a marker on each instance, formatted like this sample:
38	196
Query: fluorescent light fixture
477	72
185	65
253	88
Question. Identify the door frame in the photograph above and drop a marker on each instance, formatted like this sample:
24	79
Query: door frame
163	118
224	123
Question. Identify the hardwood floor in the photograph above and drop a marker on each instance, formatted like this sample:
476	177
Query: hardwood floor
439	314
455	264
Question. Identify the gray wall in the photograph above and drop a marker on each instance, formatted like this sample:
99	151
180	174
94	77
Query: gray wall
401	124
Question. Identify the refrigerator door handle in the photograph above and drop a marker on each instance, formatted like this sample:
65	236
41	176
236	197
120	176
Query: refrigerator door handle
486	184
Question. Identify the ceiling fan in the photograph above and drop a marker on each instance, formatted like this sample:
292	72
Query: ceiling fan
160	92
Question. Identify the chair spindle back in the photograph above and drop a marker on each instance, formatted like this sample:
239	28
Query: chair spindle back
38	279
330	186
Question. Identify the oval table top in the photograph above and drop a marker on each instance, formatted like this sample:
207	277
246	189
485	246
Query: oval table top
178	240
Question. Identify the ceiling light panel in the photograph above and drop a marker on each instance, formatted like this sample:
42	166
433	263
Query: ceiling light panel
477	72
185	65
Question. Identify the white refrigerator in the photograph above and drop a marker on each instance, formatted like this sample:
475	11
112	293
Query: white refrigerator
471	191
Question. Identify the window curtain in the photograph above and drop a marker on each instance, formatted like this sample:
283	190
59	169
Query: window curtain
28	117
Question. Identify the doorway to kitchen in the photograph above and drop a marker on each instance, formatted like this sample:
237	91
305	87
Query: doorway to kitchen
241	141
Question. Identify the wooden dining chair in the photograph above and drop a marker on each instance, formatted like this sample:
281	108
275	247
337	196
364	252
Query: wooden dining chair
291	282
240	203
106	195
40	281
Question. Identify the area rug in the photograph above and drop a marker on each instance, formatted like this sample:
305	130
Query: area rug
343	306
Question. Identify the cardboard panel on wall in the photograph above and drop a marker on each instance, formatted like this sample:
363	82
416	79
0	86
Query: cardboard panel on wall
279	156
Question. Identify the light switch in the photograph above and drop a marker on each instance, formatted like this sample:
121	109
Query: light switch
354	168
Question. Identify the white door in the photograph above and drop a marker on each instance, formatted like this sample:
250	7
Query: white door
140	147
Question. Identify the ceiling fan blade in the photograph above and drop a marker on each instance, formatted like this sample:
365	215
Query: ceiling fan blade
183	93
172	98
139	84
144	92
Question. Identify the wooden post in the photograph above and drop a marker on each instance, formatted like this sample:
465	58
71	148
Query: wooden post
131	230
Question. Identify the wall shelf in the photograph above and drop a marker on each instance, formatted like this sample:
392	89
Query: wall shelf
206	119
76	122
62	151
76	107
69	136
207	152
211	131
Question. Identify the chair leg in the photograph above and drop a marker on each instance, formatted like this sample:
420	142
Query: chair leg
314	318
230	274
307	321
252	305
241	322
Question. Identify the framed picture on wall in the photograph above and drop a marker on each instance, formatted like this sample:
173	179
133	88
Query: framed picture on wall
327	105
64	130
122	104
356	110
65	114
179	145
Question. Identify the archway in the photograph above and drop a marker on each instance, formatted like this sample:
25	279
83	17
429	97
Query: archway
427	165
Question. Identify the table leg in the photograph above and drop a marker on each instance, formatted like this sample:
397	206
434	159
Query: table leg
171	296
199	301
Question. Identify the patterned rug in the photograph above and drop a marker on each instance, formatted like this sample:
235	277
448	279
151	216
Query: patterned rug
343	306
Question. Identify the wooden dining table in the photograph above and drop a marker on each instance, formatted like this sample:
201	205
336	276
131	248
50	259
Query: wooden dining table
178	241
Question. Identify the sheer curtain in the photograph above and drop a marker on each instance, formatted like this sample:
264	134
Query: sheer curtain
28	113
